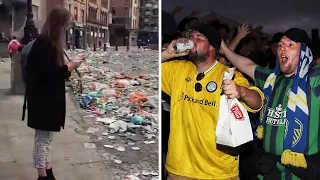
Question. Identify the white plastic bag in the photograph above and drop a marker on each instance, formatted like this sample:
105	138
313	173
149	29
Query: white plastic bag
233	127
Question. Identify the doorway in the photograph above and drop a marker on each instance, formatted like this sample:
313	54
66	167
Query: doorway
77	38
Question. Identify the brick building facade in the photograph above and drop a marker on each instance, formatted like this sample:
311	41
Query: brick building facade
97	22
125	22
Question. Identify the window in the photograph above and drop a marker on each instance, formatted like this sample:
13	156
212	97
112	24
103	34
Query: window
69	7
89	13
76	13
82	16
103	17
126	7
135	1
113	10
35	11
91	16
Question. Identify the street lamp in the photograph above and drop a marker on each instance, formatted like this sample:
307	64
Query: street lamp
30	30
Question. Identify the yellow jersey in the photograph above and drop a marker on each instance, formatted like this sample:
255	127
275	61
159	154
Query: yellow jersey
192	149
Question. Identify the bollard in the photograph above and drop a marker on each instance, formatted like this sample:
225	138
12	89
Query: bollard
105	47
94	47
116	48
127	48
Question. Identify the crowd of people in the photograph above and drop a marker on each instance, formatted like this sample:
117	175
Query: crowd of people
281	76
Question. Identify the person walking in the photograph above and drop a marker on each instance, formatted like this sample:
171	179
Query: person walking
13	46
46	73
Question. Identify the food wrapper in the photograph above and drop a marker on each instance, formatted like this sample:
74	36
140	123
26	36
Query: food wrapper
228	74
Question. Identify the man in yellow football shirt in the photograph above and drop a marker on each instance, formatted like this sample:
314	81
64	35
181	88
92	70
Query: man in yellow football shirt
195	87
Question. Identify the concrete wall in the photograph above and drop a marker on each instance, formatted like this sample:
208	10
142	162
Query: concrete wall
42	12
4	49
20	17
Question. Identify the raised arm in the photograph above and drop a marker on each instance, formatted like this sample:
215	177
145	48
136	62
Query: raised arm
243	31
168	52
243	64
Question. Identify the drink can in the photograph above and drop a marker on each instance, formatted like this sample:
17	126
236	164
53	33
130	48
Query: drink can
182	47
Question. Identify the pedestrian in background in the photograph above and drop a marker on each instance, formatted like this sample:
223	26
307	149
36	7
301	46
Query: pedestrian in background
13	46
46	72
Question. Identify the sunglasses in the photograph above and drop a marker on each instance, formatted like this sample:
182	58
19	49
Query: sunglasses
198	86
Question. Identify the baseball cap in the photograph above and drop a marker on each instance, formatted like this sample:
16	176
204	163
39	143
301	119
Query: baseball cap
298	35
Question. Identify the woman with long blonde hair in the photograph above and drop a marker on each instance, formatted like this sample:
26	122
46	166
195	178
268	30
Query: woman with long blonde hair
46	73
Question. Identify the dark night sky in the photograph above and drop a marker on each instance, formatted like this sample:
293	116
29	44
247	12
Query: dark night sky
274	15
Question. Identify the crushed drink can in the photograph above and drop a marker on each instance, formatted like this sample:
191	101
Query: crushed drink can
182	47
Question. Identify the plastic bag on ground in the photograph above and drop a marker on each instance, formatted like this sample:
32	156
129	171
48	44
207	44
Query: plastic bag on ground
118	126
111	93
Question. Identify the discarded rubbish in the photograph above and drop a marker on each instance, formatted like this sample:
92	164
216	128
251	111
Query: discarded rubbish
111	137
120	101
147	173
106	120
149	142
132	177
105	134
137	120
135	148
121	148
109	146
118	126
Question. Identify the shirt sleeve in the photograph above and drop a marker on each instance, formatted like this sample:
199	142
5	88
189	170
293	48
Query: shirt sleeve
167	75
315	81
241	81
261	74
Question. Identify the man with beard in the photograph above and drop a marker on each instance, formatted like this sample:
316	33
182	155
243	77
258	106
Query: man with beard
289	120
195	87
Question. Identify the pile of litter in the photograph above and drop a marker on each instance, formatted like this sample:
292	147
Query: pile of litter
120	98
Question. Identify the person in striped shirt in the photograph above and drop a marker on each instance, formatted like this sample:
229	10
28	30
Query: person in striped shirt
289	120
